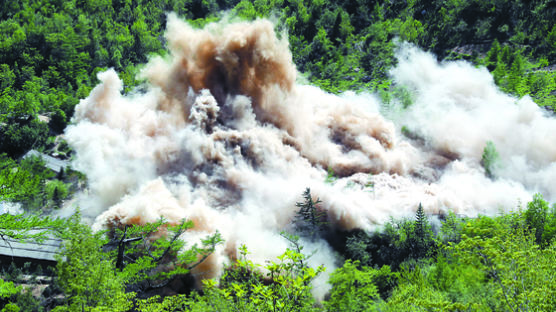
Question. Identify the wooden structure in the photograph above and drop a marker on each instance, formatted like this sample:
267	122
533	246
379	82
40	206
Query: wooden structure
20	252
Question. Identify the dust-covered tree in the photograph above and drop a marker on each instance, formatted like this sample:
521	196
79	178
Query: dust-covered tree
309	221
150	260
490	160
106	270
284	284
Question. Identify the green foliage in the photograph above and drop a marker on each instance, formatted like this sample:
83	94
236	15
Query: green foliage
50	53
29	227
540	220
330	176
8	289
58	121
462	284
285	286
378	248
403	95
309	220
26	182
421	222
56	191
357	288
514	72
20	135
493	264
415	292
25	301
10	307
450	232
549	232
417	237
93	279
290	285
520	272
141	258
22	281
87	276
24	228
357	248
396	243
490	160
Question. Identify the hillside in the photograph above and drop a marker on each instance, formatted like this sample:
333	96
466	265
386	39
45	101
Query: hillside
280	155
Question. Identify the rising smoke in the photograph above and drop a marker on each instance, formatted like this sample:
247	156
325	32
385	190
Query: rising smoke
225	136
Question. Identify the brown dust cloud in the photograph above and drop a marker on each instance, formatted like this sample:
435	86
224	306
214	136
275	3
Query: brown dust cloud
223	134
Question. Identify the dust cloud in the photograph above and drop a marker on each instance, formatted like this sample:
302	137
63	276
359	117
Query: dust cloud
224	136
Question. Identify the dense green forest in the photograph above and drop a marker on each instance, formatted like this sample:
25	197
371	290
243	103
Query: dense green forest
51	52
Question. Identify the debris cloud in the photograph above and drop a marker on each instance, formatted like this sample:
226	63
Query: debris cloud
224	136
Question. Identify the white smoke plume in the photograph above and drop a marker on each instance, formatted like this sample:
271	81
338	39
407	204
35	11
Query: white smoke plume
225	137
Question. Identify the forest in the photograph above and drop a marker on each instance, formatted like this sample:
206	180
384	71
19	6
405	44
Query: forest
190	154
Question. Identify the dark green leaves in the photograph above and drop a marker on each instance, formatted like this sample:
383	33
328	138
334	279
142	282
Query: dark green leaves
309	220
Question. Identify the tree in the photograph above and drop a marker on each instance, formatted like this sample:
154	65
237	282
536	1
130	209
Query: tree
450	232
58	121
356	248
520	272
286	286
419	239
86	274
309	220
96	280
147	261
397	242
490	160
536	217
56	197
421	222
357	288
25	182
493	55
56	191
418	291
30	227
22	134
7	290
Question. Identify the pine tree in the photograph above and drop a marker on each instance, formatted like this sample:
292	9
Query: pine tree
57	197
309	221
420	222
60	175
419	237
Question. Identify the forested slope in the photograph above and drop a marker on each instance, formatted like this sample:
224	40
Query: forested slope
52	51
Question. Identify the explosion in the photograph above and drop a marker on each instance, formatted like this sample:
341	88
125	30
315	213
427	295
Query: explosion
226	137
